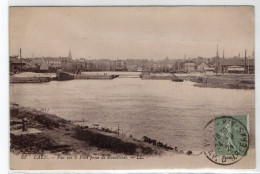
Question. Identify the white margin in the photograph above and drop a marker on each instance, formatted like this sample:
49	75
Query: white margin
4	71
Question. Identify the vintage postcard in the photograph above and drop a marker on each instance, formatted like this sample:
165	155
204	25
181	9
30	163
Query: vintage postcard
128	88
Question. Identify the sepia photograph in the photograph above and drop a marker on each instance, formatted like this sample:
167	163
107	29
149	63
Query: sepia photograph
132	87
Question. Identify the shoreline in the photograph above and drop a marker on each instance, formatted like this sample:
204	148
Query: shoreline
224	81
227	81
47	133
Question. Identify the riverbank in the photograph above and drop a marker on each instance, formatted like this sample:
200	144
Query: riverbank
48	133
224	81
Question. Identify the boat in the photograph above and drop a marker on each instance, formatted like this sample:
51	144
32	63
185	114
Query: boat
61	76
29	79
119	69
177	80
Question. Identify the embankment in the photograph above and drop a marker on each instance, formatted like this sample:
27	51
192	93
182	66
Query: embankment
48	133
156	77
224	81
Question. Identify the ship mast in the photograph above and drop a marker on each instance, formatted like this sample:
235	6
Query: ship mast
245	61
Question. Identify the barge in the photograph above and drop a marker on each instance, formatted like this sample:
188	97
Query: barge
61	76
29	79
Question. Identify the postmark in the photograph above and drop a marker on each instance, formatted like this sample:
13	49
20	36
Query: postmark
226	139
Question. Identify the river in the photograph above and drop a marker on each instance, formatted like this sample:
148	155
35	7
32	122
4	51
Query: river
171	112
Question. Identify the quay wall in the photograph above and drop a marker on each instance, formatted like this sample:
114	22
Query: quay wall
155	77
159	77
96	77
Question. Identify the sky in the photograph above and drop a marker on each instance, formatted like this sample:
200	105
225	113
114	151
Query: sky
131	32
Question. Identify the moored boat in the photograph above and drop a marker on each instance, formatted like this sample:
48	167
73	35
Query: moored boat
177	80
29	79
61	76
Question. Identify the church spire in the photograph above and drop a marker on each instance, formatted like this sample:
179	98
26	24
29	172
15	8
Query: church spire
70	55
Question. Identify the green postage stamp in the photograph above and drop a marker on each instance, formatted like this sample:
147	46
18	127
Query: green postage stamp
231	139
231	135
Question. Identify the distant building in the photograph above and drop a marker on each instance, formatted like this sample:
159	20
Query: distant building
237	66
189	66
132	68
236	69
44	67
56	62
202	66
120	65
209	71
81	60
16	65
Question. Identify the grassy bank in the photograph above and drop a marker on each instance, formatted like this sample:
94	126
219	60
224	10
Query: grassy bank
224	81
51	134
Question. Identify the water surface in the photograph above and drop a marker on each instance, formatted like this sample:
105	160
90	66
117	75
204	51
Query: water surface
172	112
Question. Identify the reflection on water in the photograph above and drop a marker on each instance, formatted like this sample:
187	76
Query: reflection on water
172	112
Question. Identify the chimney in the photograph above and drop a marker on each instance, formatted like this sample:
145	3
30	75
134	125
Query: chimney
20	53
217	55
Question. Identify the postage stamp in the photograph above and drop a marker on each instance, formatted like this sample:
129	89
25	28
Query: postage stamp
231	139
